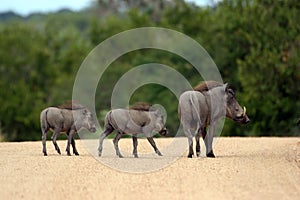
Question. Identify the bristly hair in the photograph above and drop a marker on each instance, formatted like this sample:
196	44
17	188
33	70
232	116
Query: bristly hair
71	105
207	85
141	106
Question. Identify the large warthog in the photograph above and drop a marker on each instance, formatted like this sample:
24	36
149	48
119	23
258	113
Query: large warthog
138	119
204	107
67	119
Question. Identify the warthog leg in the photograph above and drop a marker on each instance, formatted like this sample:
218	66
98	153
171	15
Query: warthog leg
107	131
54	137
44	138
204	133
189	135
74	147
135	144
116	141
191	151
197	137
208	141
70	137
151	141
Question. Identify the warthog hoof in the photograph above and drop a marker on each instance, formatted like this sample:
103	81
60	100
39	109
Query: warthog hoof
211	154
158	153
121	156
135	155
45	154
190	155
68	154
198	154
76	153
58	151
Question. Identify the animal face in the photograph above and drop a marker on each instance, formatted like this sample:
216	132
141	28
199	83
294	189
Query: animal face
160	123
88	121
233	109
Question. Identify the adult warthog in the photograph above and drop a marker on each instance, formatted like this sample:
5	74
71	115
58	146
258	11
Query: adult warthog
68	119
138	119
204	107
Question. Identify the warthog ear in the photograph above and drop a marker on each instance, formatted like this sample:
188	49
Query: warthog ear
225	86
84	112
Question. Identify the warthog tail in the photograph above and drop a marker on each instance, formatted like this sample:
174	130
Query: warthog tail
195	107
43	118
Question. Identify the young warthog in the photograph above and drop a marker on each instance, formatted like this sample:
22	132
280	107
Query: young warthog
133	121
205	107
65	119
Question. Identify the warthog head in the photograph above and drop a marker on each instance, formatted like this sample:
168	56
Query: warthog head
233	109
88	120
160	123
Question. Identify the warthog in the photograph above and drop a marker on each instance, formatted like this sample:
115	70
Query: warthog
68	119
137	119
205	107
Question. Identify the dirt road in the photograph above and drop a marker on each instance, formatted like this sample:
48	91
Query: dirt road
245	168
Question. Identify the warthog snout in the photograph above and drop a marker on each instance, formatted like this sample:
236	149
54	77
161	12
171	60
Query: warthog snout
243	118
163	132
90	123
246	120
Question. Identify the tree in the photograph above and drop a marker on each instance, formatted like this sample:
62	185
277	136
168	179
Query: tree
270	73
24	71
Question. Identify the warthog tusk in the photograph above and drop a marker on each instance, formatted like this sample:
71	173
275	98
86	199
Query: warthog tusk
244	113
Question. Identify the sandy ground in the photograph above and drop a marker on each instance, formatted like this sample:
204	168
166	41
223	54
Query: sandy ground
245	168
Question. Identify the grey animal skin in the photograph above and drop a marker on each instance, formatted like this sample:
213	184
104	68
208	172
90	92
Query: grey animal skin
132	122
65	120
199	109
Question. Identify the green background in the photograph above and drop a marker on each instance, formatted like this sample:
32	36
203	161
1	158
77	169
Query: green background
255	44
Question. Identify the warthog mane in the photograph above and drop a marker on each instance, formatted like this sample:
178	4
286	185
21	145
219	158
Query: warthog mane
71	105
206	85
141	106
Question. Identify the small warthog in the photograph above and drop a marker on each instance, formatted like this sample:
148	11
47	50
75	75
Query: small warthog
68	119
138	119
205	107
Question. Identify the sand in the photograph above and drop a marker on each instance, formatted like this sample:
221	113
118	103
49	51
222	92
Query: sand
244	168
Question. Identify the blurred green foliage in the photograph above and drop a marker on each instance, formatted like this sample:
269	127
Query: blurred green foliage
255	44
